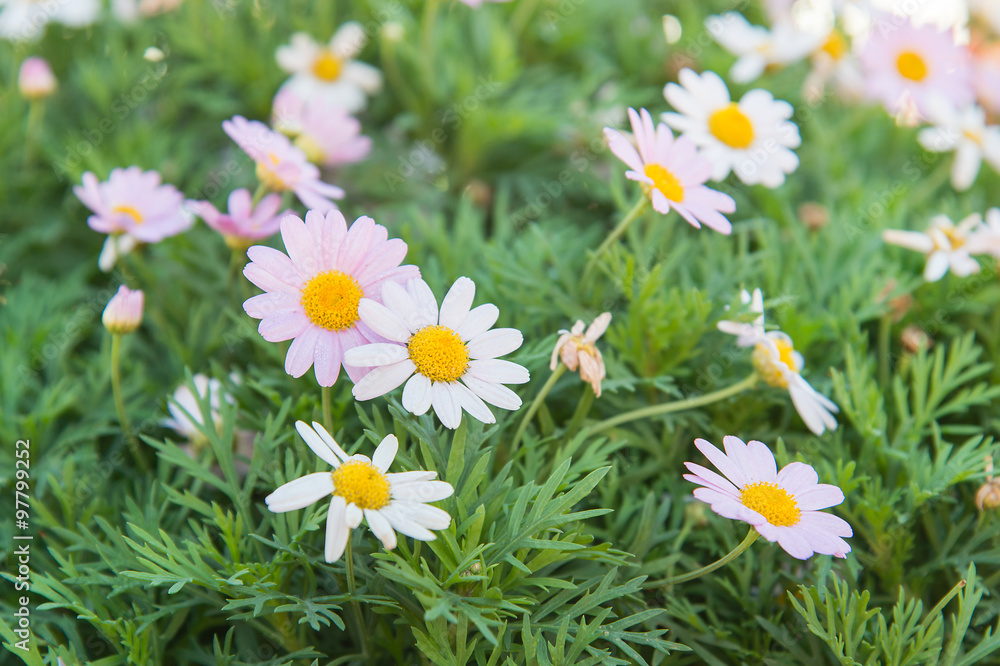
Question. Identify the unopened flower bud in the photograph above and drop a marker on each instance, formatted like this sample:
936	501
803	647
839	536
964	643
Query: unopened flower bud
36	79
124	311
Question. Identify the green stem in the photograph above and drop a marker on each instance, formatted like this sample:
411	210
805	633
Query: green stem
428	24
36	112
677	406
884	349
721	562
536	403
353	590
116	389
582	409
258	195
616	233
327	411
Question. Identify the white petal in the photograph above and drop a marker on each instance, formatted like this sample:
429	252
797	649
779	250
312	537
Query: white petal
382	380
300	493
446	405
495	394
937	266
385	453
382	320
402	478
498	371
911	240
479	321
381	528
427	516
472	403
456	303
398	516
417	395
423	491
317	445
375	355
427	306
353	515
337	531
402	304
815	416
330	441
495	343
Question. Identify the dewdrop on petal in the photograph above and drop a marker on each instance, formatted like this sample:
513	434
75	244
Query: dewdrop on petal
577	349
35	79
123	313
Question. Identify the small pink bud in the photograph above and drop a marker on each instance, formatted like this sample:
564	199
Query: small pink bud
36	79
124	311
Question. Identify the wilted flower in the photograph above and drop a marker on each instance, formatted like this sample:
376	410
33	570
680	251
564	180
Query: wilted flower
908	64
362	488
35	79
946	245
782	506
280	165
671	172
577	349
313	292
966	133
753	138
438	350
328	70
779	365
123	314
243	223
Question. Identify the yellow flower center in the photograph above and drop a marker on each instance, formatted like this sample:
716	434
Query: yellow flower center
974	137
130	211
769	369
314	152
267	175
731	126
361	483
331	300
835	45
439	353
911	66
665	182
773	502
327	67
956	239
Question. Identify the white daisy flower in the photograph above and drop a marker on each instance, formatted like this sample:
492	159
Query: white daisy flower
361	487
966	133
758	48
451	355
835	62
186	412
25	20
752	137
779	365
946	245
986	239
328	71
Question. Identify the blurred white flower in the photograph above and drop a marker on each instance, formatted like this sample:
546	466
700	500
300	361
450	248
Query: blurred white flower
25	20
966	133
758	48
946	245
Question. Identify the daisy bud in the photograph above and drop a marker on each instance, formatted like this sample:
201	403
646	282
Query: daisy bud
36	79
814	215
124	311
988	496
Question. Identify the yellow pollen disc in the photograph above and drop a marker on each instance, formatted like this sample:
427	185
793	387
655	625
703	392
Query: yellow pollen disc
974	137
327	67
361	483
911	66
768	368
130	211
731	126
331	300
665	182
956	239
835	45
439	353
773	502
268	177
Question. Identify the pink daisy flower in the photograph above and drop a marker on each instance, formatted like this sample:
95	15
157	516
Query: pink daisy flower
243	223
325	132
133	202
906	65
671	172
280	165
312	293
782	506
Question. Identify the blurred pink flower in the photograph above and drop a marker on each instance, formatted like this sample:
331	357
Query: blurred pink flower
476	4
242	223
313	292
134	202
280	165
35	79
123	313
907	65
325	132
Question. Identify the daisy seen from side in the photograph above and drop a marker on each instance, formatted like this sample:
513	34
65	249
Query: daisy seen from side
756	47
945	244
671	172
752	138
964	132
243	222
363	488
312	293
783	506
448	357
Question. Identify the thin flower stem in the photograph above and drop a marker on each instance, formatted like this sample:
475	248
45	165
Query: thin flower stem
353	590
616	233
327	410
36	113
677	406
884	349
721	562
428	24
536	403
258	195
116	389
582	409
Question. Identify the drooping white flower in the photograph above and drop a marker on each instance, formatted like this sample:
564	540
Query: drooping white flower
945	244
361	487
966	133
